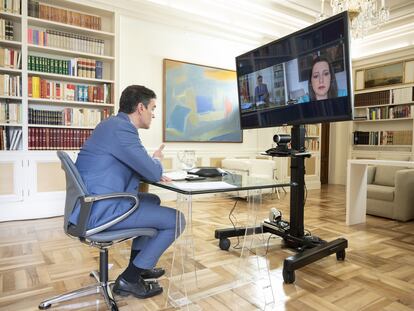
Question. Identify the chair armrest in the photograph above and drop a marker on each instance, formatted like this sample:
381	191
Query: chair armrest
404	195
94	198
370	174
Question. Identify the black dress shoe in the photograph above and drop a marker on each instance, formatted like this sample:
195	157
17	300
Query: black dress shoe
141	289
153	273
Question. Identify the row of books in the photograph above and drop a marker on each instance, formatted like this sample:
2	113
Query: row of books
6	29
366	138
68	116
79	67
383	138
396	138
10	138
372	98
57	138
10	58
402	95
67	41
63	15
10	6
312	144
312	129
10	85
394	112
48	89
394	96
10	113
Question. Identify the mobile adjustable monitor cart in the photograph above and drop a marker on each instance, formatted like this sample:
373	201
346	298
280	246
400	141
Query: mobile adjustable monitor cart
309	248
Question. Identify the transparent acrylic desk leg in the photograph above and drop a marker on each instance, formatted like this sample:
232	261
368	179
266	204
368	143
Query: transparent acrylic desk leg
254	279
183	268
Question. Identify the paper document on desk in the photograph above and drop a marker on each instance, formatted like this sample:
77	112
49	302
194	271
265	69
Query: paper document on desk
212	185
176	175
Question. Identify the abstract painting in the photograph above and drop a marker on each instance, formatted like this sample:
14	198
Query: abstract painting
200	104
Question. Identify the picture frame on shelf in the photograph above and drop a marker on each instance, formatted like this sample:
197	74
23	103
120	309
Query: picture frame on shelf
384	75
200	104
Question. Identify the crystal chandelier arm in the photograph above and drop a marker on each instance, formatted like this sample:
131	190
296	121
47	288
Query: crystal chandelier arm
363	14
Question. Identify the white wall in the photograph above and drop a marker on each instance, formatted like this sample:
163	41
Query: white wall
144	45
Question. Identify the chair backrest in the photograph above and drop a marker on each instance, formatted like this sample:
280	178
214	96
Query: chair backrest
385	175
75	187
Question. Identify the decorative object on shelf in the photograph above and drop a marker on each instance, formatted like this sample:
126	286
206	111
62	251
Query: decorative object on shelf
364	14
200	104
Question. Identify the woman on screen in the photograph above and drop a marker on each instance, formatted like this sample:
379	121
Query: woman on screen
322	80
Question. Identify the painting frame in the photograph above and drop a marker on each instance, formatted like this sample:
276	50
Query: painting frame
384	75
200	104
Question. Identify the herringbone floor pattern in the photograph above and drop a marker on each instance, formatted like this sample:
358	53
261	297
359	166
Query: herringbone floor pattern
37	260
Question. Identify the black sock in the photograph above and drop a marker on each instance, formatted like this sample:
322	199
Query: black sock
134	254
132	273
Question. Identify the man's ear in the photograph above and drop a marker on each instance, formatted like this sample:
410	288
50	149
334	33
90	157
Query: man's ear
140	107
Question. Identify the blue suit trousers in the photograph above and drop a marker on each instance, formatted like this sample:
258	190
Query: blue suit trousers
150	214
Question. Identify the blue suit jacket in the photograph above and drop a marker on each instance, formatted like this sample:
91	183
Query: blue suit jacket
113	159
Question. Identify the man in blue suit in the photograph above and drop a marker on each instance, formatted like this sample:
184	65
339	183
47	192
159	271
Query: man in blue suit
113	159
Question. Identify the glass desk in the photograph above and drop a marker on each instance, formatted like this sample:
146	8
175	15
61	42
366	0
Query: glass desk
246	277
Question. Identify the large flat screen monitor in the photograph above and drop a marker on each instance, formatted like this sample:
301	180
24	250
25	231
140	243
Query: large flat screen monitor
302	78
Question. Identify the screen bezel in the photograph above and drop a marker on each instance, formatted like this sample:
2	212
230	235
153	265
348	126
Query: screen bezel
348	115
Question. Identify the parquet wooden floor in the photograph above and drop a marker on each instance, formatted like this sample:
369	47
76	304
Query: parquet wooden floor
37	261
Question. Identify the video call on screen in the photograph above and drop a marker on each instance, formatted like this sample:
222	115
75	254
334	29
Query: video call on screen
275	78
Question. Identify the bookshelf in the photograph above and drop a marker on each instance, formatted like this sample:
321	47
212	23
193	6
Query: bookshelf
11	125
383	104
66	61
64	85
312	164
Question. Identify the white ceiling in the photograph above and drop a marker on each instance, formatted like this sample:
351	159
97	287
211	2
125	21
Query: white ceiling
256	22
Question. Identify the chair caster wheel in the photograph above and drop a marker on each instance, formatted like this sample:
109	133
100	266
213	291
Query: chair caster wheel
340	255
288	276
224	244
43	306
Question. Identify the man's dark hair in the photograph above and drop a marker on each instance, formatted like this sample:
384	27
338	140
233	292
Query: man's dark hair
132	96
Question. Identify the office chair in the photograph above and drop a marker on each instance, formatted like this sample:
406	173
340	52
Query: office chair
76	192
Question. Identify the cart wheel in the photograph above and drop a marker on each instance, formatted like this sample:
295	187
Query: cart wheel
224	244
43	306
340	255
288	276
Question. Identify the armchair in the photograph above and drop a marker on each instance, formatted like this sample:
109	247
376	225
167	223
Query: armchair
390	192
96	237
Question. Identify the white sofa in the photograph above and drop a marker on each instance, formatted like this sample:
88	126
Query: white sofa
390	192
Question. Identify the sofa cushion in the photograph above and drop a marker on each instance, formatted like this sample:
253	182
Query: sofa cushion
383	193
385	175
236	164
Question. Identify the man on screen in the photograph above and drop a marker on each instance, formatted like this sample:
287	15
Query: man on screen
261	94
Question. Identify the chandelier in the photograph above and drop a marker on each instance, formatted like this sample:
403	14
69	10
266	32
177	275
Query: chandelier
363	14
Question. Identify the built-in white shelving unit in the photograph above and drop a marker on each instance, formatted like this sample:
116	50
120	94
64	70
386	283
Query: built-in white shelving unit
384	113
64	83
